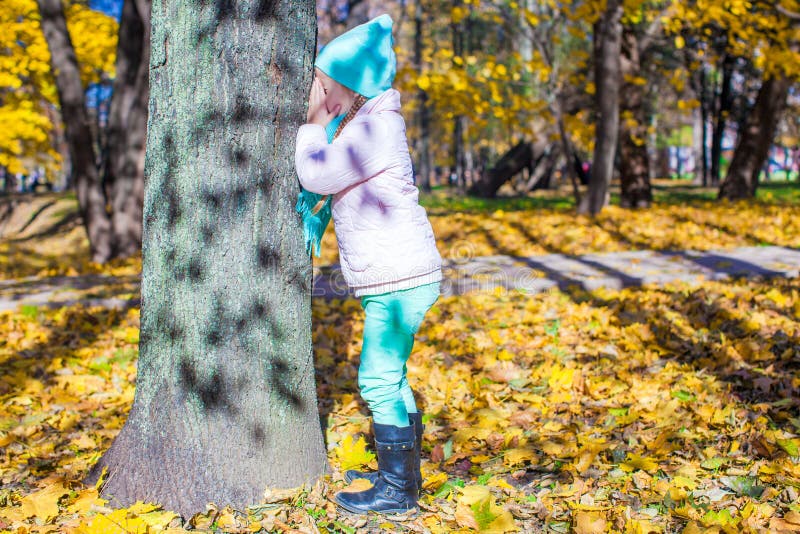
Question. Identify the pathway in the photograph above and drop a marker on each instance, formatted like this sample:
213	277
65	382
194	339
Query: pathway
531	274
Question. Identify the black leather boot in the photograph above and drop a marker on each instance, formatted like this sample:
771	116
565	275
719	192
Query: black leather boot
394	489
416	421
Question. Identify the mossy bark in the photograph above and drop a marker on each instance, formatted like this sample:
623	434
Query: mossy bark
225	401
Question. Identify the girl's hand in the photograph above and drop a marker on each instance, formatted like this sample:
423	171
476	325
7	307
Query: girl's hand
317	109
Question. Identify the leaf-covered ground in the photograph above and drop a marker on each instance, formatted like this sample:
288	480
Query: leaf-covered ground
655	409
644	410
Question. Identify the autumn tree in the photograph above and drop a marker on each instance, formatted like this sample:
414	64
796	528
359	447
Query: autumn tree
756	135
35	85
225	401
86	176
28	94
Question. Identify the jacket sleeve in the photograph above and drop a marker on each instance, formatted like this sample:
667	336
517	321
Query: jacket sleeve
356	155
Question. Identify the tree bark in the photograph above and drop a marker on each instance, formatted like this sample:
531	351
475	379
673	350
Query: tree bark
459	122
634	160
88	185
9	181
225	401
422	143
755	141
523	155
570	157
123	167
704	125
724	105
607	47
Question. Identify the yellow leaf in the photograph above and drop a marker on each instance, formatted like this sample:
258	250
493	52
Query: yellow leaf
635	462
158	520
770	469
66	421
352	455
684	482
465	517
469	495
86	499
518	456
424	82
273	495
500	483
531	18
504	522
505	355
777	297
226	520
477	510
435	481
44	503
463	435
589	523
693	528
587	455
358	484
117	522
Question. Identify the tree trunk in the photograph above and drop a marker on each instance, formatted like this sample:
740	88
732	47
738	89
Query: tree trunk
572	164
422	142
457	149
524	155
127	127
9	181
755	141
723	110
634	160
91	200
225	400
704	125
607	47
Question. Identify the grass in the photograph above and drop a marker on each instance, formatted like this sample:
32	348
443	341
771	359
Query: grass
665	191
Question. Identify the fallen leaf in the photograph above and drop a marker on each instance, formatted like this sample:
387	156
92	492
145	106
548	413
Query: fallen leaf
353	455
43	503
589	523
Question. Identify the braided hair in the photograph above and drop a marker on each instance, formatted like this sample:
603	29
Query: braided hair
359	101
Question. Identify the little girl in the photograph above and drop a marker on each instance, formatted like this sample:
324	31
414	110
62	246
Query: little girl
354	148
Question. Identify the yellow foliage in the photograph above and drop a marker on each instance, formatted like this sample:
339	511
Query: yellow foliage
27	87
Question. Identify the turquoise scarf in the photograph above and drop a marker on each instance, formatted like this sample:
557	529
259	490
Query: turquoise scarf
314	224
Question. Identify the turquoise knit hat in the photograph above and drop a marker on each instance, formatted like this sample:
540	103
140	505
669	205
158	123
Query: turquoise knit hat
362	59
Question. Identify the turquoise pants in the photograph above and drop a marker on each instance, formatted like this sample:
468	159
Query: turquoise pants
391	321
